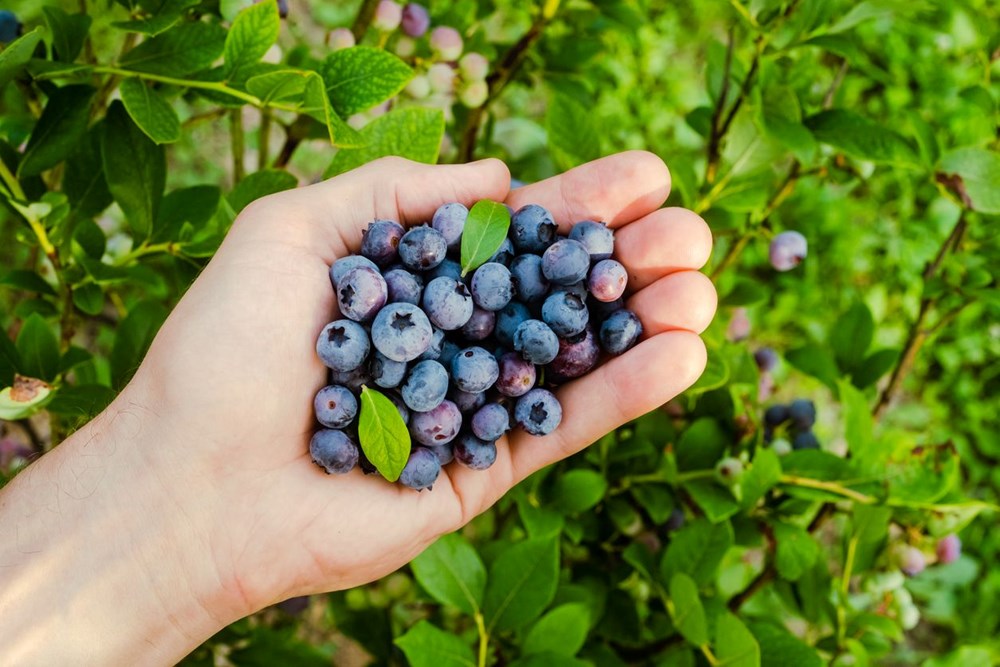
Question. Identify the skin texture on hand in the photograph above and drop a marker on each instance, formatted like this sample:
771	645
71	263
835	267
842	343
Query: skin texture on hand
212	474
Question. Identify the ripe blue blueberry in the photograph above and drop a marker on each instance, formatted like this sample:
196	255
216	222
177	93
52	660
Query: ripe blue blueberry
397	400
385	372
509	319
480	325
421	469
596	237
565	262
576	356
343	345
474	453
449	268
437	344
438	426
335	406
565	313
620	332
517	376
401	332
599	310
805	440
776	415
447	303
538	412
532	229
445	453
530	284
490	422
10	27
802	412
467	401
492	288
361	293
449	219
333	451
607	280
504	254
448	352
345	264
425	387
474	370
403	286
536	342
422	248
380	241
787	250
766	358
353	379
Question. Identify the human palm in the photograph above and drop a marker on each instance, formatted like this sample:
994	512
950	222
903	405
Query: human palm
231	376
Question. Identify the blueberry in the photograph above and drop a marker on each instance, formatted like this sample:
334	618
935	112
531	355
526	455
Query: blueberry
385	372
343	345
538	412
381	240
449	351
565	262
600	310
335	406
345	264
445	453
421	469
776	415
607	280
766	359
361	293
474	370
449	219
787	250
448	268
577	357
467	401
492	288
397	400
517	376
676	520
620	332
805	440
416	20
596	237
422	248
425	386
401	332
353	379
333	451
447	303
438	426
530	284
437	344
577	289
403	286
509	319
480	325
504	254
802	412
909	559
532	229
367	467
10	27
474	453
565	313
948	549
536	342
490	422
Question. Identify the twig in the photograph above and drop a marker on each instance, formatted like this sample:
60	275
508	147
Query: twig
766	576
204	116
364	19
711	166
294	134
237	144
264	140
837	80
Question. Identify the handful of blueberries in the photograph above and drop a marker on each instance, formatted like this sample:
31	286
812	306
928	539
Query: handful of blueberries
465	358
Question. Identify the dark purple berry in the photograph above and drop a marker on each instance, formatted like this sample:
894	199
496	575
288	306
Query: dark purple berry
333	451
490	422
361	293
620	331
474	453
422	248
421	470
517	376
380	241
576	358
437	426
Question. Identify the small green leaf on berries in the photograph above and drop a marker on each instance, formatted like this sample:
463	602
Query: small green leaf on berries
485	230
383	434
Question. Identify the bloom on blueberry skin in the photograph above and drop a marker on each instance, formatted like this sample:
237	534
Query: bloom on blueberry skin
787	250
446	42
388	16
416	19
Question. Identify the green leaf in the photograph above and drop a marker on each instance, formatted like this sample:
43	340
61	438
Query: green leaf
135	169
280	86
411	132
874	366
550	659
133	337
194	206
28	281
57	133
84	400
424	645
979	170
861	137
188	48
656	500
761	477
260	184
89	299
686	609
561	631
701	445
573	136
817	361
16	55
744	293
781	117
254	31
38	349
68	32
715	501
83	178
150	111
11	409
924	474
697	549
166	15
796	552
484	233
780	648
452	572
859	426
360	77
316	104
384	438
521	584
859	13
851	335
89	239
734	645
10	359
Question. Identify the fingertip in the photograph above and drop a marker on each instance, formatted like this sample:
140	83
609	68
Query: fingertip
653	172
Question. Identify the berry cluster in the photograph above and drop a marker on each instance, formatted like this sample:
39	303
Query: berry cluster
795	419
465	357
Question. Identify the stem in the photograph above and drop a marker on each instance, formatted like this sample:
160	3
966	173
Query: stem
832	487
734	251
11	182
706	651
364	19
264	141
116	75
711	165
236	141
761	580
845	588
484	639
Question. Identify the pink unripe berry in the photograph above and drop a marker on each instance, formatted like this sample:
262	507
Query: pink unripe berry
446	42
388	16
419	87
474	94
910	560
474	66
739	325
416	20
341	38
787	250
442	77
949	548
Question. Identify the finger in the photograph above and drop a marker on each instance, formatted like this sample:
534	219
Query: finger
664	242
685	300
616	189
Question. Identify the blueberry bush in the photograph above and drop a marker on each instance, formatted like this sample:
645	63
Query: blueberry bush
825	494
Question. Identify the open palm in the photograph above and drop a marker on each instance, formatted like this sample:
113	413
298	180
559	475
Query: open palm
231	376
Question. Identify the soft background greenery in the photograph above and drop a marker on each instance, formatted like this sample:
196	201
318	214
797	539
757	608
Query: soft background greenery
869	127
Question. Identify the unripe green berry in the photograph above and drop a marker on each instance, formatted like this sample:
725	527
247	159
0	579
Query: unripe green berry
729	470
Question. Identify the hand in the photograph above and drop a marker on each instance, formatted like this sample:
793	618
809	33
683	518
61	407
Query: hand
219	414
